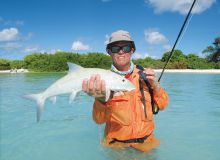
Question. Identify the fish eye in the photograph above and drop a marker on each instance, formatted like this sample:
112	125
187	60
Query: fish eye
123	80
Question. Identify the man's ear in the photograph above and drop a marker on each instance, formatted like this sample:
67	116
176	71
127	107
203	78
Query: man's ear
108	51
132	50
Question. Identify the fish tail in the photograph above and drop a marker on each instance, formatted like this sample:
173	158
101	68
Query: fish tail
40	103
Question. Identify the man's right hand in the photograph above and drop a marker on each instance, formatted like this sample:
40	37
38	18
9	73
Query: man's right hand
95	87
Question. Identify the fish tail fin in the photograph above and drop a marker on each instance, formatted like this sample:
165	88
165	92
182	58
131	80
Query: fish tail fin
39	98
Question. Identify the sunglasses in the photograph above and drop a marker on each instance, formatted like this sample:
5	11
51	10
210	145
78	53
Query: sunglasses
126	48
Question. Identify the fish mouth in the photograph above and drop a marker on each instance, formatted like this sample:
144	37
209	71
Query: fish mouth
131	89
123	90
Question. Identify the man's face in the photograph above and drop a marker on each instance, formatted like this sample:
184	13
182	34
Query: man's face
121	54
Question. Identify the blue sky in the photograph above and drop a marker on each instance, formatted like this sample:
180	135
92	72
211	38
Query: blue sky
83	26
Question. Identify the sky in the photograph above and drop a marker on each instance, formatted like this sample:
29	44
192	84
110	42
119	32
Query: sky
84	26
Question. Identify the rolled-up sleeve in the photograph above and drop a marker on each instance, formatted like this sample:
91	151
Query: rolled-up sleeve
99	112
161	98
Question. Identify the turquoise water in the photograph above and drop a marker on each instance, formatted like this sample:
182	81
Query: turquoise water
188	129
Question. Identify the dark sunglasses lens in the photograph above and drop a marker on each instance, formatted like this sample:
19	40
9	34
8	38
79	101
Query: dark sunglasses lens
127	48
115	49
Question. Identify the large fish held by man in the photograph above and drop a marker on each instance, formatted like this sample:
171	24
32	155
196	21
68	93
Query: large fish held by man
72	84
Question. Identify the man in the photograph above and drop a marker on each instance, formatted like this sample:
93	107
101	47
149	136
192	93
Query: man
128	115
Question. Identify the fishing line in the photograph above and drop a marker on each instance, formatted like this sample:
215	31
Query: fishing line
174	46
184	31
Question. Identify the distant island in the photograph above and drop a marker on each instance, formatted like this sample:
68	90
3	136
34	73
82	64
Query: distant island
44	62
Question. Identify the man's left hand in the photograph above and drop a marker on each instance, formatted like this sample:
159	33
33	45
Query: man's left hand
151	76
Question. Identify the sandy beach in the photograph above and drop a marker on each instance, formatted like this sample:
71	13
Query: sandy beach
209	71
14	71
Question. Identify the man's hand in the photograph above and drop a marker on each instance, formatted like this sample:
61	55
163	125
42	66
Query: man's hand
150	75
95	87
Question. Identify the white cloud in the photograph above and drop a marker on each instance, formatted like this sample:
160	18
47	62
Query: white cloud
19	22
167	47
9	34
181	6
42	51
77	46
11	22
37	49
153	36
137	55
31	49
28	36
53	51
10	46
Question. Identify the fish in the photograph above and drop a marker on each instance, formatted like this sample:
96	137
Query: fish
72	84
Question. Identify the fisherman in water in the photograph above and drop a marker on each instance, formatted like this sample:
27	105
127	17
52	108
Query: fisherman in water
128	115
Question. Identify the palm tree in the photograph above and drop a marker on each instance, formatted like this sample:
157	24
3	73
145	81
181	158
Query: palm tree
213	53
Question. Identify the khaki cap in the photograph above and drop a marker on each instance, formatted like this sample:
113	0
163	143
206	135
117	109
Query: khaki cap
120	35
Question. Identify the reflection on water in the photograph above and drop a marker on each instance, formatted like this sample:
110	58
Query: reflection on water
188	129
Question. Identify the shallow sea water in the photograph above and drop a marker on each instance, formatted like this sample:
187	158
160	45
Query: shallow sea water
188	129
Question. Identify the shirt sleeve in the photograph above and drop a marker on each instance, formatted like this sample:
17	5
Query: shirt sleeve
161	98
99	112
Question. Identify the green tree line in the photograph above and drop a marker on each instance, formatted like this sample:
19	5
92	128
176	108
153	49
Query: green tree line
43	62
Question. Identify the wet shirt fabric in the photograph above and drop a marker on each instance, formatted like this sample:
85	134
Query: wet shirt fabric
125	118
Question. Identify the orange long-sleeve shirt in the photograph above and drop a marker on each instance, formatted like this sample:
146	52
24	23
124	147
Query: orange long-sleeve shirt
124	113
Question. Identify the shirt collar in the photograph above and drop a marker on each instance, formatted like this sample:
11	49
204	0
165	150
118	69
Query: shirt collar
114	69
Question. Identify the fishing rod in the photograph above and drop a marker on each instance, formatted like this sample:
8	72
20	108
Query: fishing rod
181	30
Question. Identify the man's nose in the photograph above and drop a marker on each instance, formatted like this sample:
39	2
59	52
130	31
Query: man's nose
121	51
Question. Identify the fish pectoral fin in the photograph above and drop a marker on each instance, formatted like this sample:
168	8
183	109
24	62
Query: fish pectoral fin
107	94
72	96
53	99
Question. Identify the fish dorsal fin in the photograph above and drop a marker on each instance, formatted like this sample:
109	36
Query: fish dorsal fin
73	67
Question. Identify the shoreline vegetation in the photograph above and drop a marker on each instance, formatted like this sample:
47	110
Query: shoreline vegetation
44	62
